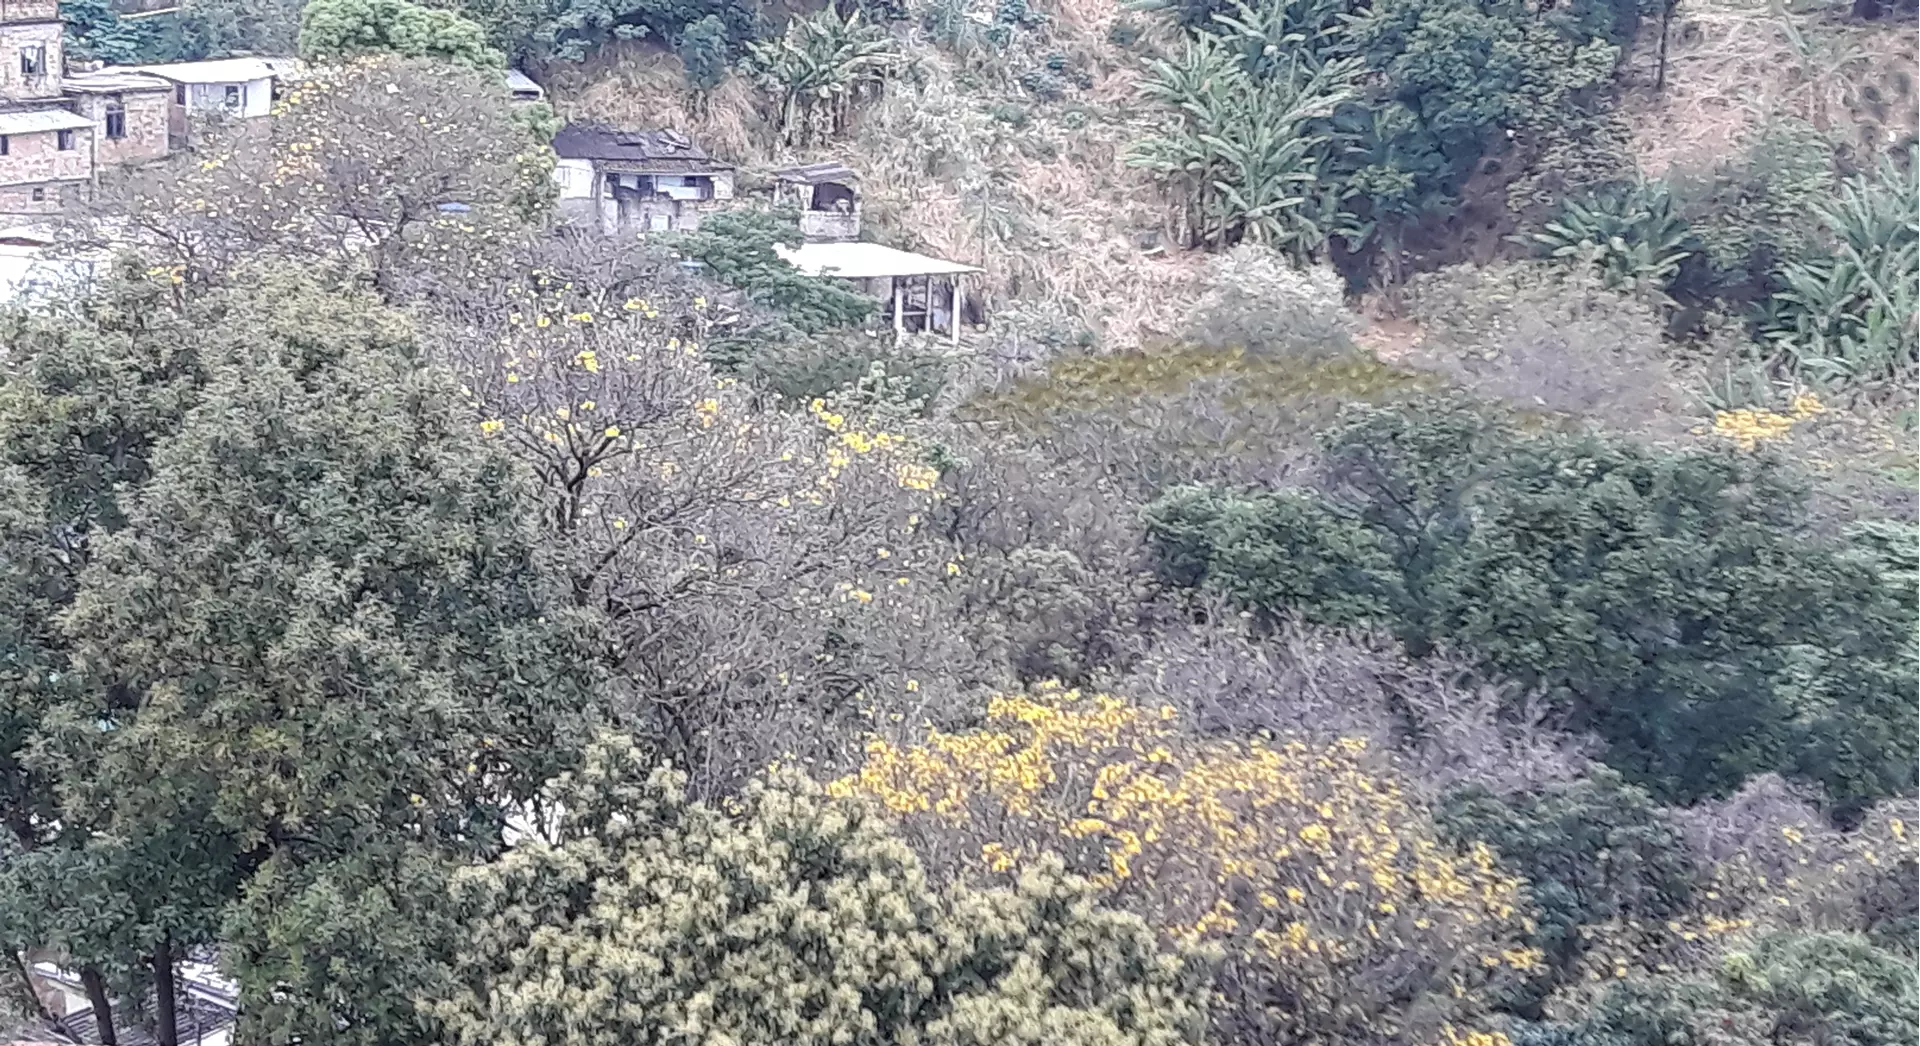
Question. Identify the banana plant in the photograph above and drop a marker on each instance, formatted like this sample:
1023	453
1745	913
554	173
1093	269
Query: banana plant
819	68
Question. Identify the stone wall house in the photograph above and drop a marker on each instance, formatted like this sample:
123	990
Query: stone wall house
129	114
637	181
56	130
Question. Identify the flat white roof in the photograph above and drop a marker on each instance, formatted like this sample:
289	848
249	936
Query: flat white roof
218	70
37	120
113	80
519	81
863	261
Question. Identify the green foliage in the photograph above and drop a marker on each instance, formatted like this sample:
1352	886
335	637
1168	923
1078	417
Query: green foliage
1632	238
569	30
1795	989
1676	604
787	917
1401	99
1241	154
1761	207
331	30
704	52
1850	318
815	72
95	30
302	626
737	248
222	28
1594	851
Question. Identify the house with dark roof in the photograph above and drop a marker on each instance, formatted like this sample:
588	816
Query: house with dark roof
637	181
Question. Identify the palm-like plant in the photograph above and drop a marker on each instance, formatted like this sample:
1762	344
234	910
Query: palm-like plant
819	68
1239	148
1849	318
1633	238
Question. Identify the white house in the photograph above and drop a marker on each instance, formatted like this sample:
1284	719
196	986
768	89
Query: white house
235	86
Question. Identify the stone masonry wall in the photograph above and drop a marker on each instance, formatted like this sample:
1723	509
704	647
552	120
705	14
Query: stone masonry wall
146	126
17	88
37	157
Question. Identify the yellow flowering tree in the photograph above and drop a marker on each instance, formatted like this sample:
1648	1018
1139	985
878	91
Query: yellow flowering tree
382	158
768	576
1344	917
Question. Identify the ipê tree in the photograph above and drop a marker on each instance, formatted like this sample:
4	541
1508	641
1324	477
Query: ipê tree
1345	918
382	161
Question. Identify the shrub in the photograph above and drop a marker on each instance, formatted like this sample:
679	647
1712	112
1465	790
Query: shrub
1256	300
1541	338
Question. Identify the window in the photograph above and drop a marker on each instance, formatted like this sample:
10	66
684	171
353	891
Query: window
179	94
39	194
6	145
64	139
116	119
236	96
33	61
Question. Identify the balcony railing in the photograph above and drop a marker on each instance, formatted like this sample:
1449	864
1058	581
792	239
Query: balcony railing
829	225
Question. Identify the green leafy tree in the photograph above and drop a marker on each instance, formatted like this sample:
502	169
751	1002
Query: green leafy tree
334	29
1598	855
787	917
1677	604
310	648
704	50
569	30
737	248
95	30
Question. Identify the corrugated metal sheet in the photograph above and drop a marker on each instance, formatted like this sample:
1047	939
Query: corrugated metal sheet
865	261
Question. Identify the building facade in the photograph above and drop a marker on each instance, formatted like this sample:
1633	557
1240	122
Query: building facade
637	181
56	130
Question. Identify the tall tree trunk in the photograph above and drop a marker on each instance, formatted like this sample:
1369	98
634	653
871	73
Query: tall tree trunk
102	1006
168	1032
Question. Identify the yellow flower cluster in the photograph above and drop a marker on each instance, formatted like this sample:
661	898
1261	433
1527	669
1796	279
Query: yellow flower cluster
1302	850
1749	427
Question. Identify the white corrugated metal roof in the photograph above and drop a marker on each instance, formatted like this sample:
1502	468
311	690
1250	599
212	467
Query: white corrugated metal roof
37	120
217	70
862	261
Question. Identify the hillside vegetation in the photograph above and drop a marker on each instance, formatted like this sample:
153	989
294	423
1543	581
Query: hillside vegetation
1422	553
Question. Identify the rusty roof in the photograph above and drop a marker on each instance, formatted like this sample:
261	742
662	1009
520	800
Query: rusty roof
598	141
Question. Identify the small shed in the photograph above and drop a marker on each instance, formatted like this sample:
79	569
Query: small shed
927	293
828	197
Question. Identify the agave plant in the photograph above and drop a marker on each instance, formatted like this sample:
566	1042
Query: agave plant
1633	238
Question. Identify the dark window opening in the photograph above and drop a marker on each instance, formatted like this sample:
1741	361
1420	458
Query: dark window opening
831	196
236	97
6	145
64	139
116	120
39	195
33	61
179	94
